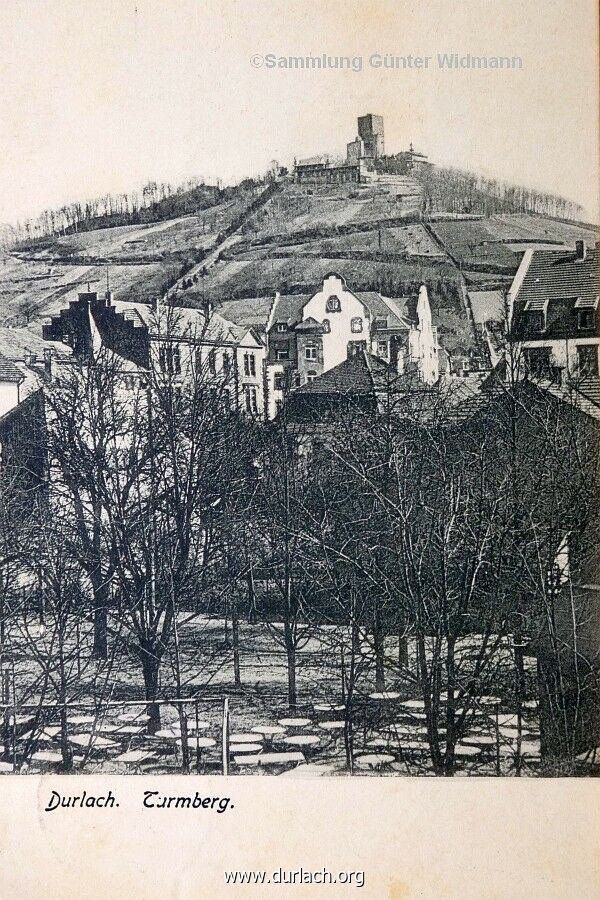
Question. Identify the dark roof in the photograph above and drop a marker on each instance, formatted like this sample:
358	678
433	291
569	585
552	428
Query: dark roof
311	326
555	274
361	375
288	308
351	377
554	281
9	372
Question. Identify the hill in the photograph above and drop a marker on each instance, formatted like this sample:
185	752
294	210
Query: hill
283	236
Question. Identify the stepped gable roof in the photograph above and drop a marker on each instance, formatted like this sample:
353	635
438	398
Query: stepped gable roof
9	372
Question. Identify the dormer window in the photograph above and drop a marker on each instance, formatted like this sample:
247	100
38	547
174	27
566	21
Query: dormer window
380	323
333	304
281	328
536	315
585	308
537	321
585	319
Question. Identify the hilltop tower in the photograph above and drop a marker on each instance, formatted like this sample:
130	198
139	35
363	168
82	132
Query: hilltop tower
370	129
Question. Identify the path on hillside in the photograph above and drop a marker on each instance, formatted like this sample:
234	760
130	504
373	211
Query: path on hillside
224	240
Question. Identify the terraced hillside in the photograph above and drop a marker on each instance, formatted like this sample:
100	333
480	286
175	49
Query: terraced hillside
141	261
286	239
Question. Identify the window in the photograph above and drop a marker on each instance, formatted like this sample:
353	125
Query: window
279	381
333	304
356	325
355	347
281	327
537	320
212	361
198	358
538	362
226	363
282	353
310	353
297	381
380	323
169	360
310	376
249	364
586	319
250	399
326	326
278	406
587	359
382	349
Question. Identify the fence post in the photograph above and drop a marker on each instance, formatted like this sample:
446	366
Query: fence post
197	733
225	742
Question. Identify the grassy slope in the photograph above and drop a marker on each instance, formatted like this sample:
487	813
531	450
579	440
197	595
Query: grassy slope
296	238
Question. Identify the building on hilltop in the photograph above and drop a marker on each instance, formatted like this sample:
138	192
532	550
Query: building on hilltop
365	159
370	130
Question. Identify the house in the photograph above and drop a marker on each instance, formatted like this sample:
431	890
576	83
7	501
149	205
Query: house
174	341
11	379
553	308
309	335
26	365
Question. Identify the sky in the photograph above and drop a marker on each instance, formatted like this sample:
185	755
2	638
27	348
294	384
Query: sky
99	96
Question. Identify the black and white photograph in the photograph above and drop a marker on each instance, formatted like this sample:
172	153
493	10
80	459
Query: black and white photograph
299	391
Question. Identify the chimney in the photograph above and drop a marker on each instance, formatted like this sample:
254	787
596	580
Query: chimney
27	357
580	249
156	305
108	296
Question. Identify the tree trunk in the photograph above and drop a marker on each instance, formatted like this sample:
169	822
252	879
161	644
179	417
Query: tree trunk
449	757
251	597
235	638
185	749
65	748
403	651
290	649
378	645
100	647
519	691
150	669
